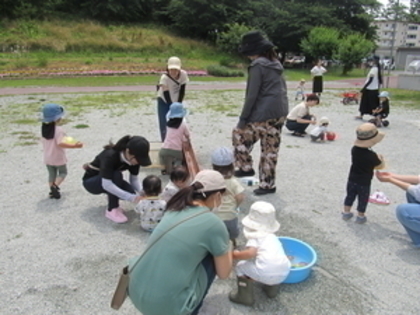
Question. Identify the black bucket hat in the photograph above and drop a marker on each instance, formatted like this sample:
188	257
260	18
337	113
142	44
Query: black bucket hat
140	147
254	43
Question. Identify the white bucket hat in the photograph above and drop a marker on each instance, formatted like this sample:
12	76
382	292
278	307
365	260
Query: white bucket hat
261	220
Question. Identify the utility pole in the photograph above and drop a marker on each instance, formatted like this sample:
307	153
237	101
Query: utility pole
394	30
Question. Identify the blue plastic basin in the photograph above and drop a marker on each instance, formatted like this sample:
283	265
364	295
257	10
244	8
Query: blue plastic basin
301	252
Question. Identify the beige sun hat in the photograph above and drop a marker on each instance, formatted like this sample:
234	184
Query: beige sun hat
368	135
211	180
174	63
324	120
261	220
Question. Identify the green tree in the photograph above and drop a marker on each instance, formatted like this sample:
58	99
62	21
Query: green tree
229	40
321	42
352	49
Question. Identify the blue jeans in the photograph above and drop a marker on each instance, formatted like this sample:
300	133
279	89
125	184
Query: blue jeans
208	264
94	186
163	109
409	216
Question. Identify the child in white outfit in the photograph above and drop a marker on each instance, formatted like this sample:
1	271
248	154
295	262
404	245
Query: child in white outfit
179	179
300	90
151	208
264	259
320	131
222	159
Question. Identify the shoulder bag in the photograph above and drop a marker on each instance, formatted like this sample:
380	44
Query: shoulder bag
121	291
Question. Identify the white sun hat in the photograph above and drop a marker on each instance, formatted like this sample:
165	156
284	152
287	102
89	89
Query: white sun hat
261	220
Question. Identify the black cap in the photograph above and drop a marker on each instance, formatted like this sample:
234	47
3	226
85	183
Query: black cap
139	147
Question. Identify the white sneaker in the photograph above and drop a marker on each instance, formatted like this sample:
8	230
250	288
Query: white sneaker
117	215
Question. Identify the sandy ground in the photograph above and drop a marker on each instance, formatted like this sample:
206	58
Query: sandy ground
63	256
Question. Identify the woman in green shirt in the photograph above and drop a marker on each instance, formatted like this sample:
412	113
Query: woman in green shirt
174	276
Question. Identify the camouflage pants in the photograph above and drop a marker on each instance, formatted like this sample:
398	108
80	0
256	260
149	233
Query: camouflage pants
269	134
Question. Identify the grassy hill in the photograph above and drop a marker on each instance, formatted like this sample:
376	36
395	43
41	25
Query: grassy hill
89	45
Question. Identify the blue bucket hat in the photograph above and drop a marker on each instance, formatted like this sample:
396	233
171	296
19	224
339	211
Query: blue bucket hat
52	112
384	94
222	156
176	110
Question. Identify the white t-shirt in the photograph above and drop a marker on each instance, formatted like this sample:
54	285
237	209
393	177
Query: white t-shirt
318	130
169	191
173	87
298	111
271	266
374	85
151	210
318	71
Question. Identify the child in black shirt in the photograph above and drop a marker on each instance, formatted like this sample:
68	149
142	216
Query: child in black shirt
364	161
382	111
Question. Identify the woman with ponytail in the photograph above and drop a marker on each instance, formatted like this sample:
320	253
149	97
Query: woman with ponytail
173	277
104	173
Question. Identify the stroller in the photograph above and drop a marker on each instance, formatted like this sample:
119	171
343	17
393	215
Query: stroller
350	98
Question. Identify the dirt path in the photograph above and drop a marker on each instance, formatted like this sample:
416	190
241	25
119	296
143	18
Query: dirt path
345	84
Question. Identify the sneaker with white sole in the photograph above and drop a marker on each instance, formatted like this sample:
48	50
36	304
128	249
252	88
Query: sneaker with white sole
117	215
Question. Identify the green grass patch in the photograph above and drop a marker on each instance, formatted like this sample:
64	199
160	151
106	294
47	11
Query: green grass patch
25	121
103	81
26	143
81	126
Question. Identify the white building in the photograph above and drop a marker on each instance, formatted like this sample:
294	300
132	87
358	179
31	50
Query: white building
392	35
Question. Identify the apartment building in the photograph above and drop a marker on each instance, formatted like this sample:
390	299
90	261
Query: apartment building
393	36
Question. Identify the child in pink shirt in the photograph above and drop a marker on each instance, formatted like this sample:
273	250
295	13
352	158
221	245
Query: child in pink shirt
176	133
54	142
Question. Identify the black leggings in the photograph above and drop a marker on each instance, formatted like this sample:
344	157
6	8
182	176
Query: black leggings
94	186
361	192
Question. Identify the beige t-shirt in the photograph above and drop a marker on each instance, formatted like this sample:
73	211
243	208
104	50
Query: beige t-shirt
227	210
298	111
173	87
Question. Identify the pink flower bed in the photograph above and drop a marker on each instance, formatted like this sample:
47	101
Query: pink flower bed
78	72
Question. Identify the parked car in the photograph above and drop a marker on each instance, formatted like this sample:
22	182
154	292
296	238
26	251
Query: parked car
387	64
294	61
413	66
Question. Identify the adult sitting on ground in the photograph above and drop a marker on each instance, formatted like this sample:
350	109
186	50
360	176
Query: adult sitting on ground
174	275
407	213
263	114
104	173
299	117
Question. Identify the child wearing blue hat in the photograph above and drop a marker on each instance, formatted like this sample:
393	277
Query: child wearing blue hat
54	141
382	111
176	133
222	160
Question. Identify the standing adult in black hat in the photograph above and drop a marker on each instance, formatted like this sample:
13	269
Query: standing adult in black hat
104	173
370	91
264	112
